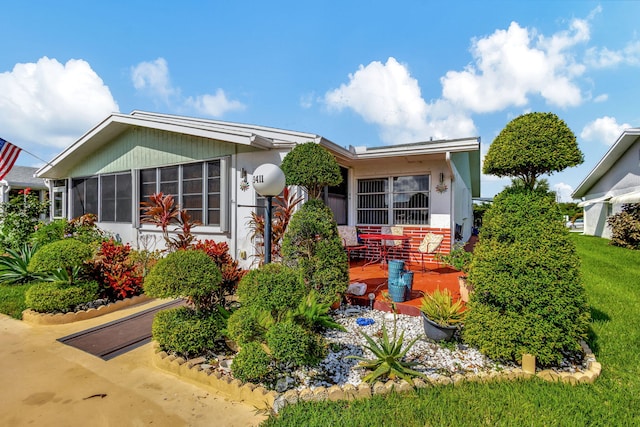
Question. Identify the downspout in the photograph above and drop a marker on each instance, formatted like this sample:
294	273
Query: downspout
234	205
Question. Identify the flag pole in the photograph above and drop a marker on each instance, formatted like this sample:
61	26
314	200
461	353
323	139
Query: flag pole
33	155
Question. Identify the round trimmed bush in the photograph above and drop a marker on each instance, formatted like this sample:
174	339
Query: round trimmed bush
65	254
273	287
529	296
251	363
312	244
47	297
186	331
291	342
184	273
243	326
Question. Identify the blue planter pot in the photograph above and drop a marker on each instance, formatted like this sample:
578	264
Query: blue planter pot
397	292
435	331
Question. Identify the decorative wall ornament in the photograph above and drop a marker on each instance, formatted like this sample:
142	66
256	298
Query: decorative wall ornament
442	188
244	185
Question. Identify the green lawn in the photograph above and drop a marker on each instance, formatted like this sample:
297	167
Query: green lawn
12	300
613	286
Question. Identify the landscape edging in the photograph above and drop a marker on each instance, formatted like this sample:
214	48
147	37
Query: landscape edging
35	318
261	398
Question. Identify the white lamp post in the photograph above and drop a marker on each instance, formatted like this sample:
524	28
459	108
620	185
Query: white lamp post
268	181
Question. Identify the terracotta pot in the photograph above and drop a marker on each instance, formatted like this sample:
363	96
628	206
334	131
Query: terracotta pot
466	288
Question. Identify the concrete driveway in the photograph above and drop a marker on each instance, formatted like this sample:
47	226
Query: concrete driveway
46	383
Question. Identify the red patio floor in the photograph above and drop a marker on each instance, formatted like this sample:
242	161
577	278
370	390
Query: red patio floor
376	275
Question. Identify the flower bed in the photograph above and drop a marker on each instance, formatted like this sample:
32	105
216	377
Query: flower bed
339	378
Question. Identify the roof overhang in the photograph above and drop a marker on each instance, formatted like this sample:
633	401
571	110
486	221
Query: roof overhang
631	197
622	144
590	202
117	123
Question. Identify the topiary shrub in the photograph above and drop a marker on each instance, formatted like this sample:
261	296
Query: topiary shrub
292	343
273	288
184	273
47	297
243	326
625	227
312	167
529	296
313	245
63	254
186	331
252	363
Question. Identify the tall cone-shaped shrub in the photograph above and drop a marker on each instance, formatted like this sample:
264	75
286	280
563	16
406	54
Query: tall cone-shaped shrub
529	296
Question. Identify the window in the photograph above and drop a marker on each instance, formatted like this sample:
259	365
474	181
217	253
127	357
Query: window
116	198
393	200
196	187
84	194
59	200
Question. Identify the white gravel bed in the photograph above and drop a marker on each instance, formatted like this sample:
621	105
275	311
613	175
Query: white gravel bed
432	359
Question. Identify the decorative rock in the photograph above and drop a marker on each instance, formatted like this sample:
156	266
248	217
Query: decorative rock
364	391
335	392
306	395
420	383
196	361
350	391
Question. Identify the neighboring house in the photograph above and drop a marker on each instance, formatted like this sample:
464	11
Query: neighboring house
207	165
20	178
613	182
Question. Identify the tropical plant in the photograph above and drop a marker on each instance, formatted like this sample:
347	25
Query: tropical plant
440	308
314	314
458	258
14	265
625	227
388	357
19	218
532	145
116	271
284	207
311	167
231	272
313	245
162	211
84	229
71	275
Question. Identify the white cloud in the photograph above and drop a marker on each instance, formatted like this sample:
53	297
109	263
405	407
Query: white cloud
388	96
601	98
511	65
214	105
606	58
152	78
604	129
52	104
563	192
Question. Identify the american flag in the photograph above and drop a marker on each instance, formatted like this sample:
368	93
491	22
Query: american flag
8	156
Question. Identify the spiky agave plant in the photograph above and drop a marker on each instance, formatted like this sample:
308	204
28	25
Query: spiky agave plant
388	357
14	265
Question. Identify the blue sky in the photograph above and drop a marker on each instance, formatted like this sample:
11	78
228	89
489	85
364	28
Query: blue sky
358	73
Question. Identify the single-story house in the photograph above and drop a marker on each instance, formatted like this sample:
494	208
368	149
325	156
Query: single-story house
19	179
614	181
208	165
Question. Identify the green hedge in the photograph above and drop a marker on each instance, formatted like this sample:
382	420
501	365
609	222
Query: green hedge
292	343
186	331
184	273
48	297
313	245
529	296
273	288
64	254
252	363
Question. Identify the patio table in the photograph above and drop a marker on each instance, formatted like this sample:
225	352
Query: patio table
382	250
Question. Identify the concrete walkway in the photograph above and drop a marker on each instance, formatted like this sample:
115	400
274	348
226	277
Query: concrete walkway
46	383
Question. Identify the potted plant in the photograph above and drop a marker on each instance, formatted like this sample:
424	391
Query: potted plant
460	260
440	315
